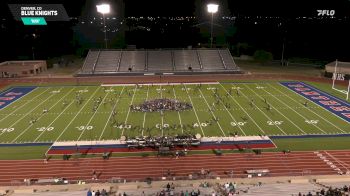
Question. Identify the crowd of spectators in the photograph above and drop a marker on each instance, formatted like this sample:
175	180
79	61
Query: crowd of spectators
345	190
97	193
156	105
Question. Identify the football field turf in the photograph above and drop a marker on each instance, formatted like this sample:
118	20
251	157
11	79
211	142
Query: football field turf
53	113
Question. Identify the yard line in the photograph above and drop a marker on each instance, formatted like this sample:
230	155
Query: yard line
93	115
311	110
243	110
178	113
29	112
29	101
64	130
109	118
161	112
194	109
39	118
56	117
144	115
299	129
127	115
217	122
264	114
230	115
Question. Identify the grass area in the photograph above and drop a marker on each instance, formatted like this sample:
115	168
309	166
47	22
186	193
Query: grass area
275	68
18	153
239	109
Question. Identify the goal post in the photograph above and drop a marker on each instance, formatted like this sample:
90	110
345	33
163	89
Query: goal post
341	73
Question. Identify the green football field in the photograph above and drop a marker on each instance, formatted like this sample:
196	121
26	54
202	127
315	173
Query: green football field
242	108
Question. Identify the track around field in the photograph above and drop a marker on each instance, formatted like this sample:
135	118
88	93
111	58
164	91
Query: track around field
139	168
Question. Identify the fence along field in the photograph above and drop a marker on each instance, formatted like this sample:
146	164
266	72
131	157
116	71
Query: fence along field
66	113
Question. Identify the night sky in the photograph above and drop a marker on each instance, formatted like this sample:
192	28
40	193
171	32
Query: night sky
313	38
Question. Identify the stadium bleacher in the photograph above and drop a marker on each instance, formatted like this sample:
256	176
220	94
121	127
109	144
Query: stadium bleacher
158	61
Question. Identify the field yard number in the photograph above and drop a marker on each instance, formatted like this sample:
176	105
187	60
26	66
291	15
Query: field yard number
42	129
8	130
109	90
201	124
54	92
81	128
124	127
260	87
238	123
311	121
211	88
274	122
163	89
185	89
83	91
237	88
158	126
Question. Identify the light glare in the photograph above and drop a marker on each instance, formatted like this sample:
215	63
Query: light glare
212	8
103	8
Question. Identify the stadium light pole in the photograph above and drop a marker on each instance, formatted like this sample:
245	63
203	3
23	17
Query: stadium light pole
212	8
104	9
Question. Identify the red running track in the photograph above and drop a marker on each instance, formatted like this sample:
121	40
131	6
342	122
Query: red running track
139	168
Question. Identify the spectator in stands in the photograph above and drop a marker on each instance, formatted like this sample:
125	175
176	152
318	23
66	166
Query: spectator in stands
168	187
98	193
89	193
93	193
143	193
104	192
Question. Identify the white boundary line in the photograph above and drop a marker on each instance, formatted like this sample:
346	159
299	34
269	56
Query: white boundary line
162	113
127	116
144	115
65	129
194	109
114	106
264	113
299	129
56	117
311	110
243	109
17	121
212	113
178	113
233	118
93	115
159	84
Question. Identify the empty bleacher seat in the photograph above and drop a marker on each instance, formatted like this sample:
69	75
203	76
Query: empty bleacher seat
159	60
107	61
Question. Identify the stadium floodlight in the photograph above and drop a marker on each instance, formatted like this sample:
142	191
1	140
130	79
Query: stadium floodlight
104	9
212	8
